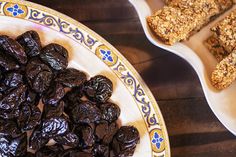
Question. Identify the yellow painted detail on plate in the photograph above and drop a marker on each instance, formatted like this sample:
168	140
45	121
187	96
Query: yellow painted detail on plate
106	55
157	140
15	10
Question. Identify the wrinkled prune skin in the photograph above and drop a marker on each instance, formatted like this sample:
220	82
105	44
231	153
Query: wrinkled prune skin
29	117
13	79
50	111
50	151
36	141
69	139
98	89
9	128
105	132
39	75
13	48
7	62
14	98
56	56
85	112
75	153
86	136
30	41
29	154
110	112
32	97
54	94
55	126
125	141
71	77
10	114
101	150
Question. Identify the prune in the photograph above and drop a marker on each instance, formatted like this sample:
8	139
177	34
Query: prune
55	126
75	153
86	136
14	98
32	97
50	151
85	112
56	56
98	89
29	118
29	154
7	62
101	150
3	87
110	112
105	131
13	48
13	79
125	141
9	128
54	94
36	141
69	139
50	111
30	41
39	75
10	114
71	77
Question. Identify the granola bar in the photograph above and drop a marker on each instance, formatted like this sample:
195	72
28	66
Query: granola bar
225	31
225	72
224	5
213	45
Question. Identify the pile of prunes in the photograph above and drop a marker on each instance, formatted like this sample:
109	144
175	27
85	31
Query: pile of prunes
49	110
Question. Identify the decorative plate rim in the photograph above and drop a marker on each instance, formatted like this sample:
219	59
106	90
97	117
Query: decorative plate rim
108	54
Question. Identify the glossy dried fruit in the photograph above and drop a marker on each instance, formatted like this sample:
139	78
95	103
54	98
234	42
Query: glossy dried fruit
54	94
98	89
13	48
50	151
125	141
56	56
36	141
13	79
7	62
69	139
71	77
32	97
10	114
101	150
9	128
85	112
30	41
50	111
86	136
75	153
110	112
39	75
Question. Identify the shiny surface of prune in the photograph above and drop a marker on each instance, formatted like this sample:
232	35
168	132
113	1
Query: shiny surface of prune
75	153
125	141
55	55
54	94
32	97
14	98
13	48
86	136
85	112
101	150
69	139
50	151
55	126
110	111
98	89
39	75
9	128
71	77
30	41
7	62
10	114
50	111
36	141
13	79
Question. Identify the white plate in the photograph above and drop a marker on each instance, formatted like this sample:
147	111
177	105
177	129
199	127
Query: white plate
222	103
138	106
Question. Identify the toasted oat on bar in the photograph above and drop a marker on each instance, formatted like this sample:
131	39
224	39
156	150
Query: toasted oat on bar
225	31
213	45
175	22
225	72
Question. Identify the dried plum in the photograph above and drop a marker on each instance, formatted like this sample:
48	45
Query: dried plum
7	62
30	41
69	139
71	77
98	89
50	111
32	97
75	153
54	94
85	112
13	48
9	128
29	154
39	75
125	141
86	136
50	151
36	141
56	56
10	114
101	150
13	79
110	112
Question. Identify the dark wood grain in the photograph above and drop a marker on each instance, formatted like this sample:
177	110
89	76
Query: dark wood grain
193	129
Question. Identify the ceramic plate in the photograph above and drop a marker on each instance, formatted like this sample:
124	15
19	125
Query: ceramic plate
222	103
91	53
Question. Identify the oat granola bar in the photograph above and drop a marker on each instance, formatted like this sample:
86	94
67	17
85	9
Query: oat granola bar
225	72
213	45
225	31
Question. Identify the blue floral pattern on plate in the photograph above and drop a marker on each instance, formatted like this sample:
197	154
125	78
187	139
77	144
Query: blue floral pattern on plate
157	140
106	55
15	10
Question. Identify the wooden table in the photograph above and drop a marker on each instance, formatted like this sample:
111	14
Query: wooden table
193	129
